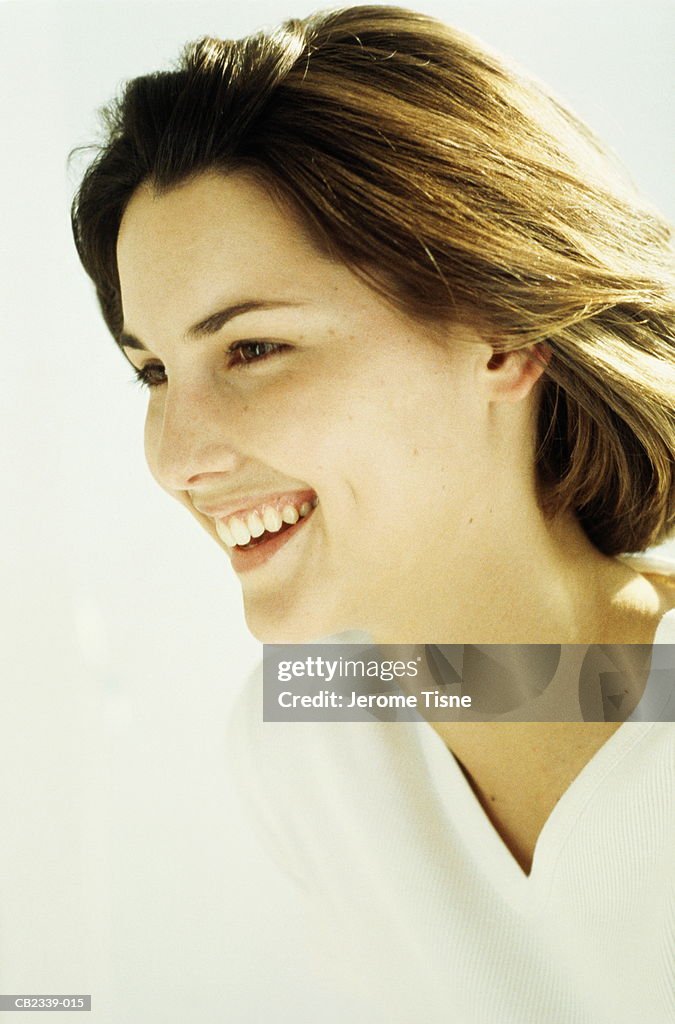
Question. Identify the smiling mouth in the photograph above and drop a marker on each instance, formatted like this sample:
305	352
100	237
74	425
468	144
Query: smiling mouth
264	524
258	551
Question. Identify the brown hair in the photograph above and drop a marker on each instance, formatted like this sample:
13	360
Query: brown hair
412	151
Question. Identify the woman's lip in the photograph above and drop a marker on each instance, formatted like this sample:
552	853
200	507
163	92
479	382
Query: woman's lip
244	559
251	503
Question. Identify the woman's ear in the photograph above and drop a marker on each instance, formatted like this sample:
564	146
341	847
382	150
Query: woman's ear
512	375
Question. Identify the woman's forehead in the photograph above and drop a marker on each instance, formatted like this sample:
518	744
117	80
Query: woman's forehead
232	214
215	237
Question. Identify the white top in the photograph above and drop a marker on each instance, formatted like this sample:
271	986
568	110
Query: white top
427	915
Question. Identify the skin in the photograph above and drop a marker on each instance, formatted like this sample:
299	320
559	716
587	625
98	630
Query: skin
418	441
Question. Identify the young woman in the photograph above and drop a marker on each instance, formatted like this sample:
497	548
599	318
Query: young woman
407	335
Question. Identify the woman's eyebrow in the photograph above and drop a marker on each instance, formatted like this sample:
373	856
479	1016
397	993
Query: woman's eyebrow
214	321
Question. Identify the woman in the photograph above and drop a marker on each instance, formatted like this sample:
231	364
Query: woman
408	340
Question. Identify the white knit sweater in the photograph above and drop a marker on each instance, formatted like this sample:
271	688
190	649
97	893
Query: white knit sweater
426	917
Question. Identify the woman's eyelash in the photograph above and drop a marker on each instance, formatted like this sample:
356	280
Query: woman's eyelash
145	375
239	355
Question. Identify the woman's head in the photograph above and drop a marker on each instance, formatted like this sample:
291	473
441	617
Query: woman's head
452	191
278	378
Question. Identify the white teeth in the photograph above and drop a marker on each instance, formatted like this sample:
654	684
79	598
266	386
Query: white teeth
290	514
271	519
255	524
225	534
240	531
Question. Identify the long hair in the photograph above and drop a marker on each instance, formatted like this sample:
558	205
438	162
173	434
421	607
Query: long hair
447	180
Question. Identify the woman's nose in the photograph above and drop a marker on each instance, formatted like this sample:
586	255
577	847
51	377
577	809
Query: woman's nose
189	432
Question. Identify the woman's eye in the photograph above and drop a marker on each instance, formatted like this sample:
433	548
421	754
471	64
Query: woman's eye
151	375
244	352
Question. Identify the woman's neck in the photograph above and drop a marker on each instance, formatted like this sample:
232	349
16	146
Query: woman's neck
538	582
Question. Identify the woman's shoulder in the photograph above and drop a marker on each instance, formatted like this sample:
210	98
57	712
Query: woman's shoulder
659	568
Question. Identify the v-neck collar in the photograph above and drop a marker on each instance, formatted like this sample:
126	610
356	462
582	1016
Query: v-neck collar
491	854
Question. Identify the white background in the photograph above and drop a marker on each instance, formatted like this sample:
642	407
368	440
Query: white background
124	870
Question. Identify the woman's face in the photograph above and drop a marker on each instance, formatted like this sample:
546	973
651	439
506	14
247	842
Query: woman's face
282	388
